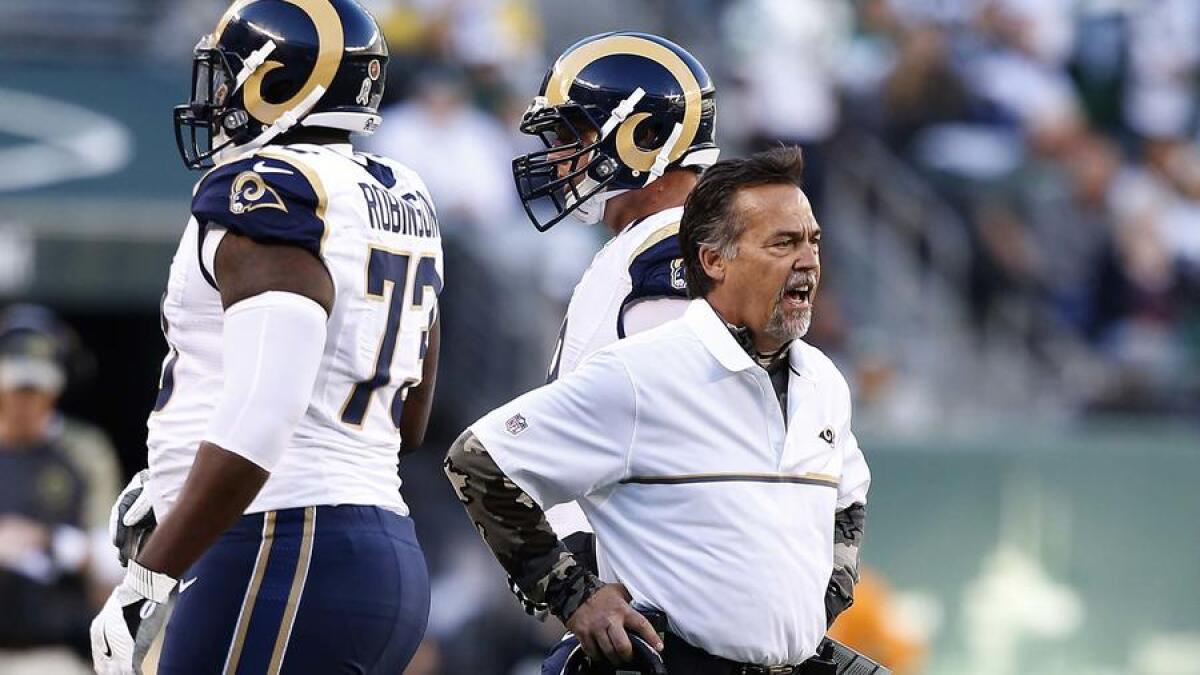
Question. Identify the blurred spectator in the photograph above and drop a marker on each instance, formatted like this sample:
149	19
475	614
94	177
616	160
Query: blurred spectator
1151	282
497	43
784	57
58	479
1016	60
1098	64
922	89
462	153
1045	236
784	54
1041	30
1164	61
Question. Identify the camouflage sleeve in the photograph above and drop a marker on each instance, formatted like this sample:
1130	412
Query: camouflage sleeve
582	546
848	527
516	530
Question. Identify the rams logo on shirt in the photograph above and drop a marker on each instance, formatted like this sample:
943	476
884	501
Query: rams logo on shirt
249	192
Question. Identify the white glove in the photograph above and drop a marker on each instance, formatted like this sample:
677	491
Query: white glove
131	519
126	626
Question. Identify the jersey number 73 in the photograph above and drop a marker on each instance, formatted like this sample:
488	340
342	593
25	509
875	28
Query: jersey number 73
383	268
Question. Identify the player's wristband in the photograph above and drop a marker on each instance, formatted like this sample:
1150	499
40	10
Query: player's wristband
154	586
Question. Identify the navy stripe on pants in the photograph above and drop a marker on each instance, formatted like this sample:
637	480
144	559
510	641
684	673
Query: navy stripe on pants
312	590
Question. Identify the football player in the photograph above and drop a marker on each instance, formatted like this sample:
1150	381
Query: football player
300	315
629	122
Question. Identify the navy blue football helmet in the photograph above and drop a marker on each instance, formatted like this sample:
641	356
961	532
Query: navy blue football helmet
615	111
273	64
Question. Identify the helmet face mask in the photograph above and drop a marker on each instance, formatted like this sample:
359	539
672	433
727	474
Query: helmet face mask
205	126
572	168
615	112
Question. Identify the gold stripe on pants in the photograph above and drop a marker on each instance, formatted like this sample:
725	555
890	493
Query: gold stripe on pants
260	569
293	601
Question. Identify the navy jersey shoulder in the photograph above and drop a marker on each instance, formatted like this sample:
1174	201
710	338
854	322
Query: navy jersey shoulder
656	269
268	199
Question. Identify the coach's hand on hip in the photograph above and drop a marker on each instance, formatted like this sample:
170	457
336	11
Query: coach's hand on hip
600	624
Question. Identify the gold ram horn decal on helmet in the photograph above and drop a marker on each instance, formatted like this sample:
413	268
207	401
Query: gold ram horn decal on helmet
330	45
233	10
570	65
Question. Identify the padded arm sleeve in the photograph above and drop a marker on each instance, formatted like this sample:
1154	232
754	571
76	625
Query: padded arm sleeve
650	313
273	344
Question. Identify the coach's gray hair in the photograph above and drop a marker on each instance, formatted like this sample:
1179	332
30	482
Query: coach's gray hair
709	219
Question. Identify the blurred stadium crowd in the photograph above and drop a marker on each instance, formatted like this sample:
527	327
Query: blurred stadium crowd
1010	191
1053	140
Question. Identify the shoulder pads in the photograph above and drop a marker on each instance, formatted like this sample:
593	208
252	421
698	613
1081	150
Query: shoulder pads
269	199
656	267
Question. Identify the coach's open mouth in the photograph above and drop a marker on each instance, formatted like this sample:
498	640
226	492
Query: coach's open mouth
799	296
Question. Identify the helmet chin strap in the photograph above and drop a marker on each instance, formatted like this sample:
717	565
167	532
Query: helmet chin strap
285	122
621	112
591	210
252	63
664	154
290	118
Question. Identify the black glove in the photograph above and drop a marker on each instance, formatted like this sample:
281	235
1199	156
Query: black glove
132	518
837	601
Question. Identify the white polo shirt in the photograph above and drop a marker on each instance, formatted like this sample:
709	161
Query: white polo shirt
705	504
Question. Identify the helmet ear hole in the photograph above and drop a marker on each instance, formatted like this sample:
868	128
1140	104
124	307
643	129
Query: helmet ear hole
649	134
277	87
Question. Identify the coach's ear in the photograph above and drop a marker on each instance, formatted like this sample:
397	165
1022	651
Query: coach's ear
713	263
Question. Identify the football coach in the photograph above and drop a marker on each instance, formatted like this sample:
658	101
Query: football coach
713	455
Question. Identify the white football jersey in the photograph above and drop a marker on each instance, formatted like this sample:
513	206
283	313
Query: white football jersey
372	223
643	262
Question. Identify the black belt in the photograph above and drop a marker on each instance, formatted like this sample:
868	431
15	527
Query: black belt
682	657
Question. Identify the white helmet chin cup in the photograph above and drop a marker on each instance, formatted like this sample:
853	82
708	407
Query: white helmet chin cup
230	151
591	210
